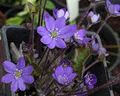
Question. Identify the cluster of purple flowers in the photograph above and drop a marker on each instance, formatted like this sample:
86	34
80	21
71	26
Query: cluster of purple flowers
54	34
64	76
56	30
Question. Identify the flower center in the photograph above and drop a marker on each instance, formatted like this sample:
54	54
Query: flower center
54	34
66	81
26	48
77	36
18	74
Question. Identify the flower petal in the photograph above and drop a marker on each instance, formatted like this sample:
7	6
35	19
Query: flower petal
82	32
60	13
55	12
86	40
21	84
28	79
27	70
72	76
68	71
54	76
67	31
52	44
67	14
61	80
49	22
9	66
46	39
60	22
90	86
95	47
7	78
59	71
90	14
60	43
95	18
14	85
42	31
21	63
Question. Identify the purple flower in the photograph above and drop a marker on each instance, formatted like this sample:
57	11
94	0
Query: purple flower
90	80
113	9
93	17
55	31
26	48
64	75
61	13
79	36
65	63
103	51
95	46
18	74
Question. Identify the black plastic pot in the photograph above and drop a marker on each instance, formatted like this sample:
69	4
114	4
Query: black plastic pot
108	36
17	34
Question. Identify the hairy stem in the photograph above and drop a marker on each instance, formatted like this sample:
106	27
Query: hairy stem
84	15
103	23
43	11
43	55
39	13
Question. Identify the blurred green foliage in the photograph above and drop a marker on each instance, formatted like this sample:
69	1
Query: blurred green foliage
25	15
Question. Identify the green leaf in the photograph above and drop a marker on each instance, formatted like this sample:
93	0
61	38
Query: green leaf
22	13
31	7
50	5
15	20
37	69
73	22
80	57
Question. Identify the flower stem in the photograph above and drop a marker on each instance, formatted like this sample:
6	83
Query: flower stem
84	15
44	66
88	67
49	86
39	12
61	52
43	11
103	23
43	55
75	87
109	83
32	31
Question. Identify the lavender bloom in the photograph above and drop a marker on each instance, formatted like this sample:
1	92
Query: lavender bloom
65	63
55	31
61	13
113	9
26	48
93	17
64	75
103	51
90	80
95	46
17	74
79	36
